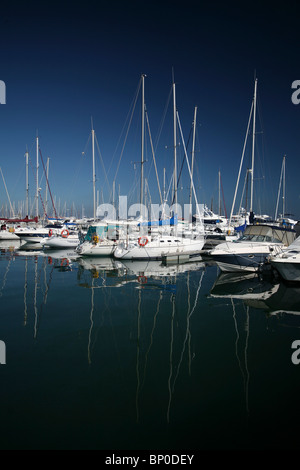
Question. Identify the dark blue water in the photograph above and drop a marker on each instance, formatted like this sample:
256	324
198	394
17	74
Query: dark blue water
101	355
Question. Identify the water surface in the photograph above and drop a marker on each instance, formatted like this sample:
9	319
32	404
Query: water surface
105	355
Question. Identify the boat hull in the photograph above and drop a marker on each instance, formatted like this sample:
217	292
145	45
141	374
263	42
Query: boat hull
288	270
154	251
246	262
59	242
99	249
7	235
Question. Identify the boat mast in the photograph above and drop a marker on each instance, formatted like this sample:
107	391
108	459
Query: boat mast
94	173
283	189
219	213
46	191
282	180
142	143
253	144
193	156
37	178
27	186
241	164
175	149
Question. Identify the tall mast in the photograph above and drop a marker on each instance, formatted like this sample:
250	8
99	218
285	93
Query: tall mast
94	173
142	142
193	156
27	186
175	149
37	178
253	145
283	189
281	181
219	212
46	191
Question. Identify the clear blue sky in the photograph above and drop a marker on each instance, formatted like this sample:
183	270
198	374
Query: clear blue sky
64	63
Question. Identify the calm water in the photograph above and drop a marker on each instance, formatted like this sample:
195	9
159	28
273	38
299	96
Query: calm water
102	355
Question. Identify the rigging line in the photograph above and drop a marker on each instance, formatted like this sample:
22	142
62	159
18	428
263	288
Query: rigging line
101	160
78	170
170	185
183	160
163	119
223	200
87	143
154	161
241	163
34	175
127	131
127	117
47	185
11	208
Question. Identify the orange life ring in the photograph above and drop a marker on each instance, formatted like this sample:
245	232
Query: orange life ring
142	241
64	262
142	279
65	233
50	232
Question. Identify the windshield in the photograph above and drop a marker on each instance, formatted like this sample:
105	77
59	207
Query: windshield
259	238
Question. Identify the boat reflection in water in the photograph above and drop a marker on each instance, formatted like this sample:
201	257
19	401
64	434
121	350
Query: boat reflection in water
139	353
261	292
152	304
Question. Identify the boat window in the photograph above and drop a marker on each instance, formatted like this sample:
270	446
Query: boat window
162	241
94	230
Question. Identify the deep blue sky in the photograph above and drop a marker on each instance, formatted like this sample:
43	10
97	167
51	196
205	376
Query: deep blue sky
65	63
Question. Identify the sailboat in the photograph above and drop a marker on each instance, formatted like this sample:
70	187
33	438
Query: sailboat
7	233
251	251
163	245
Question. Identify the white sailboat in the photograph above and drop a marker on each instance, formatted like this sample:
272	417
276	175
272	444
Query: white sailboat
7	233
164	245
100	240
250	251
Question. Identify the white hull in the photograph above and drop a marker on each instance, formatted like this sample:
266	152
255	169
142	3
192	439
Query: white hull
6	235
60	242
159	248
32	235
288	270
250	252
242	257
104	248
